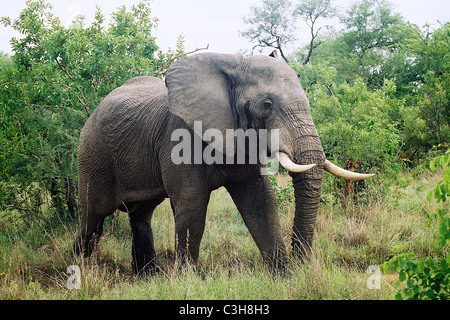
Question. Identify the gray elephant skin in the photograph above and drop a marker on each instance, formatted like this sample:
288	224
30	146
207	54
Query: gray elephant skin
124	156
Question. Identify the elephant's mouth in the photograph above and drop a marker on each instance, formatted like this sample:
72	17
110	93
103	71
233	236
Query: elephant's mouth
289	165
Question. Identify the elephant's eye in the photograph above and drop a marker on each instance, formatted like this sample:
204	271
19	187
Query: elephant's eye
267	105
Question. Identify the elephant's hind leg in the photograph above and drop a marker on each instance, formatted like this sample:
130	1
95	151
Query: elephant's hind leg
88	235
95	208
144	255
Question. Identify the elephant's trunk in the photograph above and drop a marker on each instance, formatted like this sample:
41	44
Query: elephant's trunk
307	181
307	190
300	141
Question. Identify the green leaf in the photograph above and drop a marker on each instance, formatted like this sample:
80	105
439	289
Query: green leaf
433	164
443	227
402	263
444	264
420	265
437	194
408	293
430	294
441	213
429	196
402	276
444	188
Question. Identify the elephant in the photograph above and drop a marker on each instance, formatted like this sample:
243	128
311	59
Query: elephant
125	155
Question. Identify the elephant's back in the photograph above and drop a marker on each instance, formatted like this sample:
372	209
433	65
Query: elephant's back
137	104
135	98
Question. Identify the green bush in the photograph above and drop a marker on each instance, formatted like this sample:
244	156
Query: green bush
284	195
429	278
48	88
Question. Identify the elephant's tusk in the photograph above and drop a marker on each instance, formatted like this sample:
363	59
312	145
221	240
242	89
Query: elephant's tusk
349	175
287	163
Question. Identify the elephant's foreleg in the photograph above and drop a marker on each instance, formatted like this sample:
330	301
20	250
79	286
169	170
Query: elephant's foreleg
256	202
190	216
189	196
143	250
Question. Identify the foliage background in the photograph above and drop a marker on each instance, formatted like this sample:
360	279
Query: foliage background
49	87
378	90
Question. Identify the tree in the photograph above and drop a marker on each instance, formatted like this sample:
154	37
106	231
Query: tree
274	23
357	130
52	83
271	25
310	11
83	61
372	33
426	88
358	124
432	52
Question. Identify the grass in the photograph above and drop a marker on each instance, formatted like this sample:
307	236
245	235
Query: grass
34	255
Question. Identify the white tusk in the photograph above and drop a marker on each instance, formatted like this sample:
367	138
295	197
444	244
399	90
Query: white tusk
349	175
287	163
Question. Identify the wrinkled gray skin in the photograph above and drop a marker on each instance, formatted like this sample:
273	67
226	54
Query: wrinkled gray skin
125	155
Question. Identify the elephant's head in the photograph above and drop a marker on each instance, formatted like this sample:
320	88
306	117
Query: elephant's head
230	91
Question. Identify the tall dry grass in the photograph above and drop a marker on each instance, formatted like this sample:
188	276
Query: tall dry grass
348	240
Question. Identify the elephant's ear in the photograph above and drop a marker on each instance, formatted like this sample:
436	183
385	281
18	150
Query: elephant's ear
274	54
200	87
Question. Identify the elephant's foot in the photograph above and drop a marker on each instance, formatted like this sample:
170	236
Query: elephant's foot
87	240
146	267
301	250
85	247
